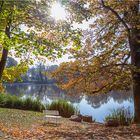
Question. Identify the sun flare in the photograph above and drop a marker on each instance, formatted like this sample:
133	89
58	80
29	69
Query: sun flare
58	12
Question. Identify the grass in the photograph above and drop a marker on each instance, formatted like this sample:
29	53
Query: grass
65	109
10	101
122	115
19	118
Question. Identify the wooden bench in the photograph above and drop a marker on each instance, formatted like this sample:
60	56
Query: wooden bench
52	114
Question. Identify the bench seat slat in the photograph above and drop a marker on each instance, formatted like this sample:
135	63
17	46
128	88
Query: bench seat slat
51	112
50	116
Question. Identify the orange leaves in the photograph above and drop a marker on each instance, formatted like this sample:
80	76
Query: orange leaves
103	62
22	133
95	71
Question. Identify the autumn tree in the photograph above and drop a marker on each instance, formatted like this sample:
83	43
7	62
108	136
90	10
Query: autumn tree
110	58
27	31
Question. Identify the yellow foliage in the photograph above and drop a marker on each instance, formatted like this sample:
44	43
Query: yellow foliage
1	87
104	62
13	73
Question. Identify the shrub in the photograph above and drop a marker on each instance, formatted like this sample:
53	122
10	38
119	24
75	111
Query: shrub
10	101
122	115
65	109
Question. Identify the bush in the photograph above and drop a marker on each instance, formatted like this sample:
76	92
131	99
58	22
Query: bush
10	101
122	115
65	109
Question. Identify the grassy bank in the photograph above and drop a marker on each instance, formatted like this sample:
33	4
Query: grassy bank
11	101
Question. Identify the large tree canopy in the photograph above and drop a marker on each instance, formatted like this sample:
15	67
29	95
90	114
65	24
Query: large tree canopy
104	60
110	58
27	30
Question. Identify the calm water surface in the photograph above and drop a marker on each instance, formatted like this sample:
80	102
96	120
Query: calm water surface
98	106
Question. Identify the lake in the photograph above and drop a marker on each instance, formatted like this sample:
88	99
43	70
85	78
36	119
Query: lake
98	106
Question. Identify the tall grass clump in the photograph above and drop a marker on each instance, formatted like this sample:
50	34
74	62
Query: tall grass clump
65	108
11	101
122	115
30	104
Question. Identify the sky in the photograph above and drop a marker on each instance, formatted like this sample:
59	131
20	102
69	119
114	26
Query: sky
59	13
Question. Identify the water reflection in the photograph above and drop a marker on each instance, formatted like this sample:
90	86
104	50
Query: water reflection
98	105
118	96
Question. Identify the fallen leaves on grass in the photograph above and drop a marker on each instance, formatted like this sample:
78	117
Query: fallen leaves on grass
18	124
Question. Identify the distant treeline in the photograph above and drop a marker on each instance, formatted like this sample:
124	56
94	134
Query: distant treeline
36	73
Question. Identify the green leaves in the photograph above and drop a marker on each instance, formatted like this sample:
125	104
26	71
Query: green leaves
27	30
31	29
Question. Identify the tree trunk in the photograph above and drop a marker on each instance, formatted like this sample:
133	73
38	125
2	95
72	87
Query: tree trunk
135	56
136	92
4	51
3	61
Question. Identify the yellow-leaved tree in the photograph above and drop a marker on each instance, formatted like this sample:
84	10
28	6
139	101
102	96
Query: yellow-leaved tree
110	58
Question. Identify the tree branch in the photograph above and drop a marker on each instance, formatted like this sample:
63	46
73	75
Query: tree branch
2	2
116	14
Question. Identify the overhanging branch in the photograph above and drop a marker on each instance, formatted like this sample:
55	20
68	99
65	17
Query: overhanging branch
116	14
2	2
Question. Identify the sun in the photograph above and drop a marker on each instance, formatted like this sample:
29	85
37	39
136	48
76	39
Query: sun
58	12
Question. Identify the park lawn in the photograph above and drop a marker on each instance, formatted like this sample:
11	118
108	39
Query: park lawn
19	118
22	125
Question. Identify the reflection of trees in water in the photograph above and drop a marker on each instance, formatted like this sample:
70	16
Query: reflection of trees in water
97	100
17	89
118	96
40	91
37	90
73	98
52	92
